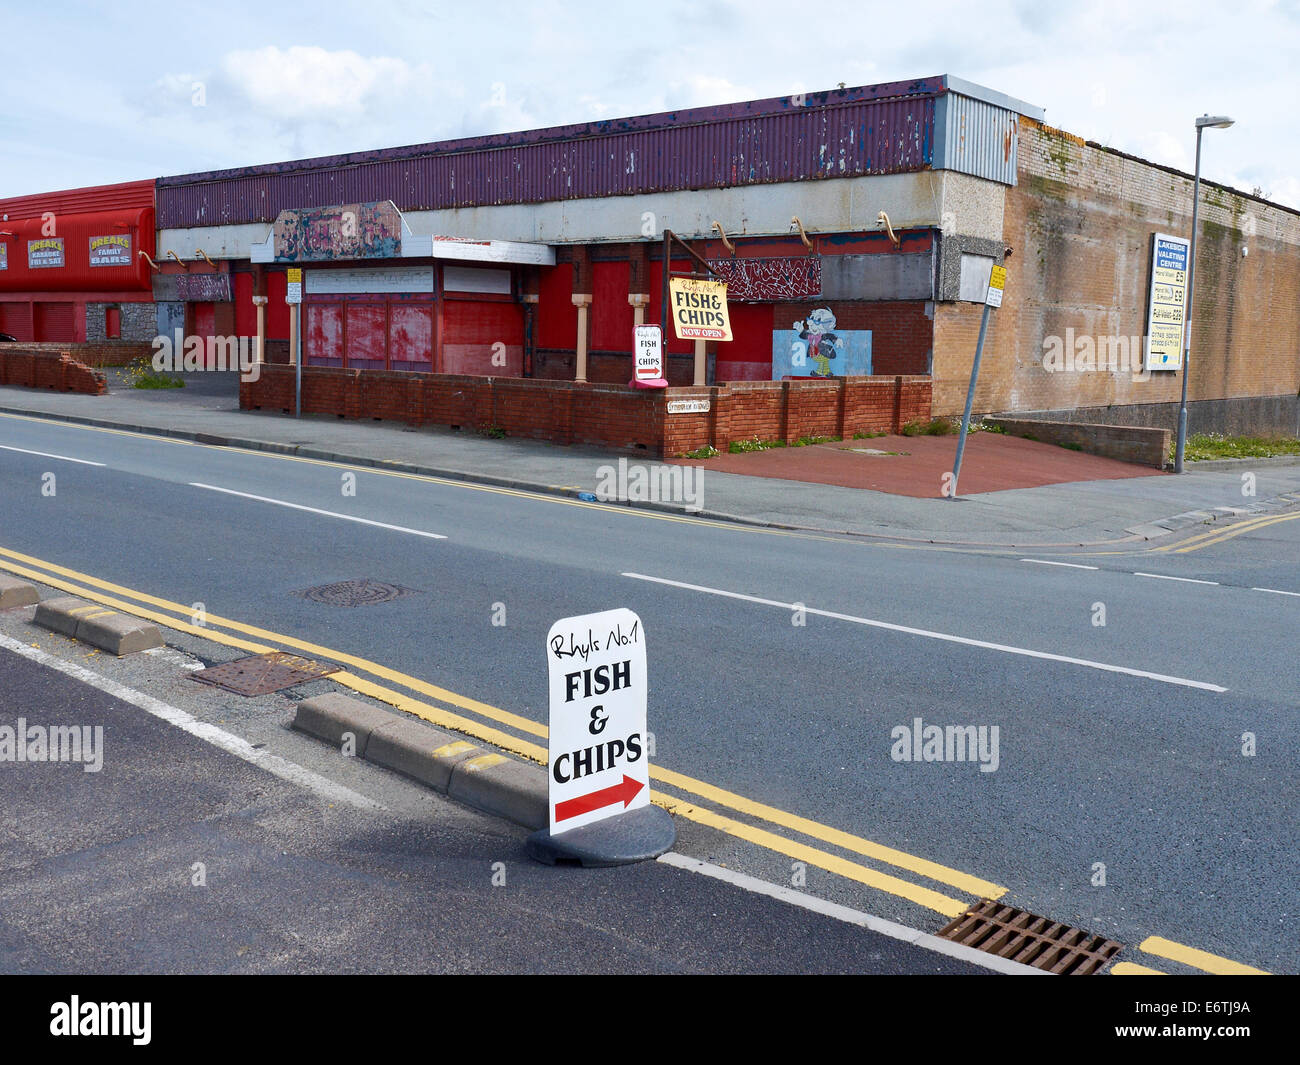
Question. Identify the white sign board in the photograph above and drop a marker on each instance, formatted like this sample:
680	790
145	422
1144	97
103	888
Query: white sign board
1167	302
688	406
371	279
649	350
598	764
293	287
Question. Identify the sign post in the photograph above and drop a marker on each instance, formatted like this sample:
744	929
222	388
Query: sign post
992	298
598	760
293	297
648	358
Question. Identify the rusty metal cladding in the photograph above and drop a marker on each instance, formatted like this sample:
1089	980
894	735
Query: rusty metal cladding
826	135
976	137
1035	941
263	674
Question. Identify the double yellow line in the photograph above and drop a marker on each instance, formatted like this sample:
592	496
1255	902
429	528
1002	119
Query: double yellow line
164	612
1217	536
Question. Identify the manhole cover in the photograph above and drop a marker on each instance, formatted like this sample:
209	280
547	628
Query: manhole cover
363	592
1031	940
263	674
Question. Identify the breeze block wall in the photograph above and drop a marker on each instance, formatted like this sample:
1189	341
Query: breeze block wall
607	415
35	368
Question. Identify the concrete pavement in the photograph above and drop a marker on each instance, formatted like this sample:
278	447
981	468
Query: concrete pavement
1080	512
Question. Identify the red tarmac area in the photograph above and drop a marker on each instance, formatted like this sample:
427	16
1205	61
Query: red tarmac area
992	462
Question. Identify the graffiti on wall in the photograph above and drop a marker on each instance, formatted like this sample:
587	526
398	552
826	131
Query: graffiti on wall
348	231
789	279
203	288
814	347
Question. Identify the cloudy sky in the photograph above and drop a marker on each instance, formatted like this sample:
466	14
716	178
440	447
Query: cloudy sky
93	93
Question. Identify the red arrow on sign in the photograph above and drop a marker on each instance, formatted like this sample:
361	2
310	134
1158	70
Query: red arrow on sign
598	800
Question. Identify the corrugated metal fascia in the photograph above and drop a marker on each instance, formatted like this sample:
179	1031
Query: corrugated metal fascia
125	196
977	138
865	137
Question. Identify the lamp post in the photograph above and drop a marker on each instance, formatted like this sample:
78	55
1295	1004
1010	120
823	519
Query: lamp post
1216	122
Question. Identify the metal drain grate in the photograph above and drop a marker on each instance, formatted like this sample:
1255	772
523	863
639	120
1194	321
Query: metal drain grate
1032	940
363	592
263	674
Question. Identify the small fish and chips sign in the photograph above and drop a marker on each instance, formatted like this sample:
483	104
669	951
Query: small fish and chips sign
598	764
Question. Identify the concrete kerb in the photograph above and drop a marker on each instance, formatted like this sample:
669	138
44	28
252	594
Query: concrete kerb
16	593
1147	531
118	634
449	764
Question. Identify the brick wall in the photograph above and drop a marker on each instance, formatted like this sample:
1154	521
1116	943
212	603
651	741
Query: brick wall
99	353
30	367
1080	223
606	415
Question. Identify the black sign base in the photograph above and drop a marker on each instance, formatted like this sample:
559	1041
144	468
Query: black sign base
635	836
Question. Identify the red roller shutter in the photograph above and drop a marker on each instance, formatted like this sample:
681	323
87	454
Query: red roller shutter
54	321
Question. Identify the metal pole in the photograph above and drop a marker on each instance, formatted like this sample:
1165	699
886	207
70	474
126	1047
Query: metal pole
297	358
970	400
1187	325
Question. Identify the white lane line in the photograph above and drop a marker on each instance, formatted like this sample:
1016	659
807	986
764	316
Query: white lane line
931	634
1275	591
227	741
47	455
1045	562
314	510
850	916
1166	577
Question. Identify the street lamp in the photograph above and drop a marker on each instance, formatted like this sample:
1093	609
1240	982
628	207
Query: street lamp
1216	122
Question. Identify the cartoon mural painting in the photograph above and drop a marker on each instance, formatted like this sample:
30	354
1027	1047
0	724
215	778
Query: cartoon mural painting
815	344
817	332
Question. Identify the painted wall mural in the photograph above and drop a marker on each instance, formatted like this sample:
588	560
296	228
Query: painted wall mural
787	279
348	231
815	348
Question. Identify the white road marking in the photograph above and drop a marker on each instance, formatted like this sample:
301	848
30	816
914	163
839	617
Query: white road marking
47	455
850	916
186	722
1166	577
1045	562
314	510
930	634
1275	591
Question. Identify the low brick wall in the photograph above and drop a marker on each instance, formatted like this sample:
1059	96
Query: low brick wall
95	353
1128	443
601	414
34	368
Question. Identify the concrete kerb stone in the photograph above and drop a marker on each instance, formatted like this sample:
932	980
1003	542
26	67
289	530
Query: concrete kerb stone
418	751
331	717
118	634
485	780
15	593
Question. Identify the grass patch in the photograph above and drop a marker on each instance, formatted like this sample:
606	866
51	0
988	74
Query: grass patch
804	441
868	436
985	427
934	427
1071	446
1204	446
494	431
742	447
141	374
705	452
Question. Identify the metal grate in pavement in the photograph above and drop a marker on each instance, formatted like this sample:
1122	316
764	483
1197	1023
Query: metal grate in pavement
1031	940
